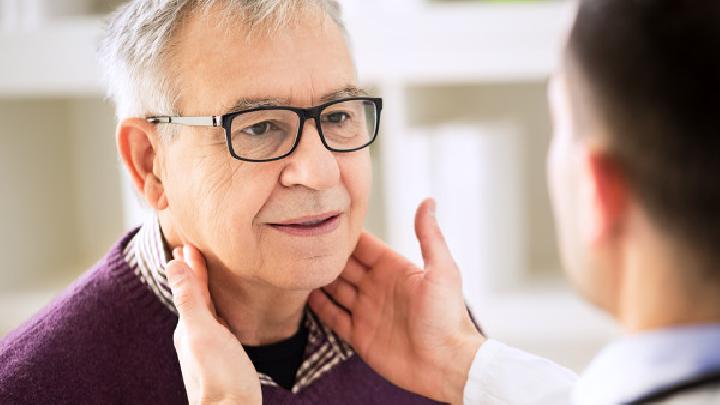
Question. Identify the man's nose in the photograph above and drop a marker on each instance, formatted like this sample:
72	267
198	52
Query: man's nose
311	164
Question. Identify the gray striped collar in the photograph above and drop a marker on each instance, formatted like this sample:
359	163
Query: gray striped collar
147	255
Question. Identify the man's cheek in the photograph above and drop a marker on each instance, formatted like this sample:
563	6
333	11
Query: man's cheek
359	186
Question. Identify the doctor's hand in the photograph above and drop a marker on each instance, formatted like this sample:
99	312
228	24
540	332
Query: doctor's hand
215	368
409	324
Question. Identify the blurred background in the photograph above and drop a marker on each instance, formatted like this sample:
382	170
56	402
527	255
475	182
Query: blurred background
465	120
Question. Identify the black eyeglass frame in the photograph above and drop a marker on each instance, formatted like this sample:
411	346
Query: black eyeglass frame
304	114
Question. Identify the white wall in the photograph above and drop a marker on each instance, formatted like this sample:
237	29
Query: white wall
96	170
60	199
38	220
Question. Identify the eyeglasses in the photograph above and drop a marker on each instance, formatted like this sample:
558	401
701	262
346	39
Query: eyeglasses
268	133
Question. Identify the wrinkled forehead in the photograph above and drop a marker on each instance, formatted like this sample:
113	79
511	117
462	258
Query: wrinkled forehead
302	63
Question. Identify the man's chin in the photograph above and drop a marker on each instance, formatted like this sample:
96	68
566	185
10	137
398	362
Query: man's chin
311	273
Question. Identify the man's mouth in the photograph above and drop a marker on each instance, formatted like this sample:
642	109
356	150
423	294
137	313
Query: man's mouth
310	225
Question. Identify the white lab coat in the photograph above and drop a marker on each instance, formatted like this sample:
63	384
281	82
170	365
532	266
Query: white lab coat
624	371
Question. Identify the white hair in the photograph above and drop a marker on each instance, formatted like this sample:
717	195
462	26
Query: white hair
139	35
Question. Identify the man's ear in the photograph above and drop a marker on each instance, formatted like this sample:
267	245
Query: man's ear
137	143
604	194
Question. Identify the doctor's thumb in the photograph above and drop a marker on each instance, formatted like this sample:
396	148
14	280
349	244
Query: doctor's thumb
434	249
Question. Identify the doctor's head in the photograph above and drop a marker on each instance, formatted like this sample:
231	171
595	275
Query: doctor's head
635	158
243	127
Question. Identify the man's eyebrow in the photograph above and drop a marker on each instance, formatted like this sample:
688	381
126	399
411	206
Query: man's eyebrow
250	103
349	91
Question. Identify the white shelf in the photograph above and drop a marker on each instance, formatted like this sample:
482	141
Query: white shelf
456	43
58	60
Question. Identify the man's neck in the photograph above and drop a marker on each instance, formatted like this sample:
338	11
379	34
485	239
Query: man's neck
256	313
664	286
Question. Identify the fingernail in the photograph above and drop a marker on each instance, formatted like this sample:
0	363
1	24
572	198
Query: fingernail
186	254
432	208
174	274
177	253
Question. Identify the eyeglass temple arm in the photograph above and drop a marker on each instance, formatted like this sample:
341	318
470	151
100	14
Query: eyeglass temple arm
213	121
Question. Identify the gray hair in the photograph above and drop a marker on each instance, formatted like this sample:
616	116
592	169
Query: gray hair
139	35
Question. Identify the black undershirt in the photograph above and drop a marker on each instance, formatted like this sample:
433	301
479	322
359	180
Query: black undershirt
281	361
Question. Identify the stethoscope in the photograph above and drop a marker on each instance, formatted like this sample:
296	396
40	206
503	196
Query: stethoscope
665	393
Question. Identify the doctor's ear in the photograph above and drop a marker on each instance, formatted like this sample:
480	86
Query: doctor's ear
604	193
137	143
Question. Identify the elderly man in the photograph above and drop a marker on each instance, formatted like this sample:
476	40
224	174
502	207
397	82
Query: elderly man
242	125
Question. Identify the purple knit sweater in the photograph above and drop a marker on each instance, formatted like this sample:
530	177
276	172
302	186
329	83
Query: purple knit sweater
109	340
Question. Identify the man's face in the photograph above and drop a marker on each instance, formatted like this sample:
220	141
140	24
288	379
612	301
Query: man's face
233	210
571	190
562	173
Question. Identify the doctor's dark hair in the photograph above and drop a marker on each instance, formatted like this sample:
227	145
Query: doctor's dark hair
649	72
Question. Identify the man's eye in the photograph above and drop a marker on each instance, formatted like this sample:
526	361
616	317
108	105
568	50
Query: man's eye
259	129
336	117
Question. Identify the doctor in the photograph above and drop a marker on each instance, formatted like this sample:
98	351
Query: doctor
634	177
